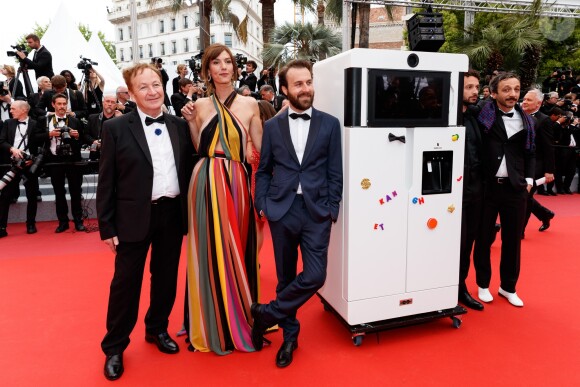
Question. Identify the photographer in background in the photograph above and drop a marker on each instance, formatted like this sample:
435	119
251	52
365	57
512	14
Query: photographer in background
97	83
268	77
15	141
41	62
267	94
95	125
62	134
248	77
181	74
44	85
567	136
187	92
76	106
124	103
9	73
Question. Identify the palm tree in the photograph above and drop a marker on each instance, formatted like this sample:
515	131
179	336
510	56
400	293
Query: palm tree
301	41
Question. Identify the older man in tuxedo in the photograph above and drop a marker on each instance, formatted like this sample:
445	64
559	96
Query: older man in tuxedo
508	157
41	62
15	140
298	189
144	172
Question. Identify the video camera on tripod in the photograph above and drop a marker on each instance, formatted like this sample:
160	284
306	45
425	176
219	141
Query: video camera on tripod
17	48
86	64
19	165
195	66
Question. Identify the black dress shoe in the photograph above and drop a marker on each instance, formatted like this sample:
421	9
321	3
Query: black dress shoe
3	233
466	299
552	193
114	367
31	229
546	222
164	343
62	226
567	191
79	226
258	328
284	355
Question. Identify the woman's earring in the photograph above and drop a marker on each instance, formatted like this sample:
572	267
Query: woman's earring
209	77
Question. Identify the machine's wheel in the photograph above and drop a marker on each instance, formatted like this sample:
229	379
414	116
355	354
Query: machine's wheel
456	322
357	340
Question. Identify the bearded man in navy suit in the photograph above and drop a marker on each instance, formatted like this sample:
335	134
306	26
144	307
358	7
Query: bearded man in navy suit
298	189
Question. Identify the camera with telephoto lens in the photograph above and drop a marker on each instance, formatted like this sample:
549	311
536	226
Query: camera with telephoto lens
64	149
19	165
195	65
241	60
17	48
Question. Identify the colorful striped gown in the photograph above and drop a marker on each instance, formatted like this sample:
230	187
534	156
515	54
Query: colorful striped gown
222	267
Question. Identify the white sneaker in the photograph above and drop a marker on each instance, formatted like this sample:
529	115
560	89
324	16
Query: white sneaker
484	294
511	297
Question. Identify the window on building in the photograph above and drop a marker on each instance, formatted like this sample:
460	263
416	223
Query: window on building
173	47
172	24
197	19
211	19
212	39
162	48
130	33
228	39
186	21
197	44
150	50
121	34
161	26
185	45
131	54
141	52
122	55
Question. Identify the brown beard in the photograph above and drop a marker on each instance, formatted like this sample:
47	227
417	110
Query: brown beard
295	101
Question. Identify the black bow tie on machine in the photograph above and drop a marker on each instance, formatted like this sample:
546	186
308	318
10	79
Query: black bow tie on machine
149	120
507	114
304	116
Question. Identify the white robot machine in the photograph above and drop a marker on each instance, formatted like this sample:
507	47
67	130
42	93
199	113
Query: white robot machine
394	251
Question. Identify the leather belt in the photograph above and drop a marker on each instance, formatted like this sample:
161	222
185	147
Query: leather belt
163	199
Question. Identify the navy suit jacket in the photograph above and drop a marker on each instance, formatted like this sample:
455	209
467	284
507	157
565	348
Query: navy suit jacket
319	174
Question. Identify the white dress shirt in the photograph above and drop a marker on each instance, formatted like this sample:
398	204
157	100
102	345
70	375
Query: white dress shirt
165	181
512	125
54	141
299	130
20	134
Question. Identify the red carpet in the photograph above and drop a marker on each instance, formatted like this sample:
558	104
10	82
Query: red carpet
53	297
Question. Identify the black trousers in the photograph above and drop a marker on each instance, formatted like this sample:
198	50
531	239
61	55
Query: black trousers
296	229
74	176
165	236
534	207
565	168
511	206
11	191
470	225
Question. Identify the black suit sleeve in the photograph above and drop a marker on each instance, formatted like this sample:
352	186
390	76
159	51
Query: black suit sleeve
178	101
4	141
42	63
545	140
106	188
77	104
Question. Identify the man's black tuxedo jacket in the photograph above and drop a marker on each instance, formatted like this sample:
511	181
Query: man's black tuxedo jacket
7	135
178	101
126	175
319	174
545	152
520	162
250	81
41	137
41	63
77	103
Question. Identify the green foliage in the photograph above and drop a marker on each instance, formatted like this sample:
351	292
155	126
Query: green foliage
301	41
109	46
86	31
452	30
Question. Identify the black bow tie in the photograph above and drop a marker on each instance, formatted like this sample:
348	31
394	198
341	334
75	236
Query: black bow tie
506	114
149	120
304	116
21	122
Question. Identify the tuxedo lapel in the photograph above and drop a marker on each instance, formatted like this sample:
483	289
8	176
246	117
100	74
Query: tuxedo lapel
285	133
138	132
174	136
315	123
